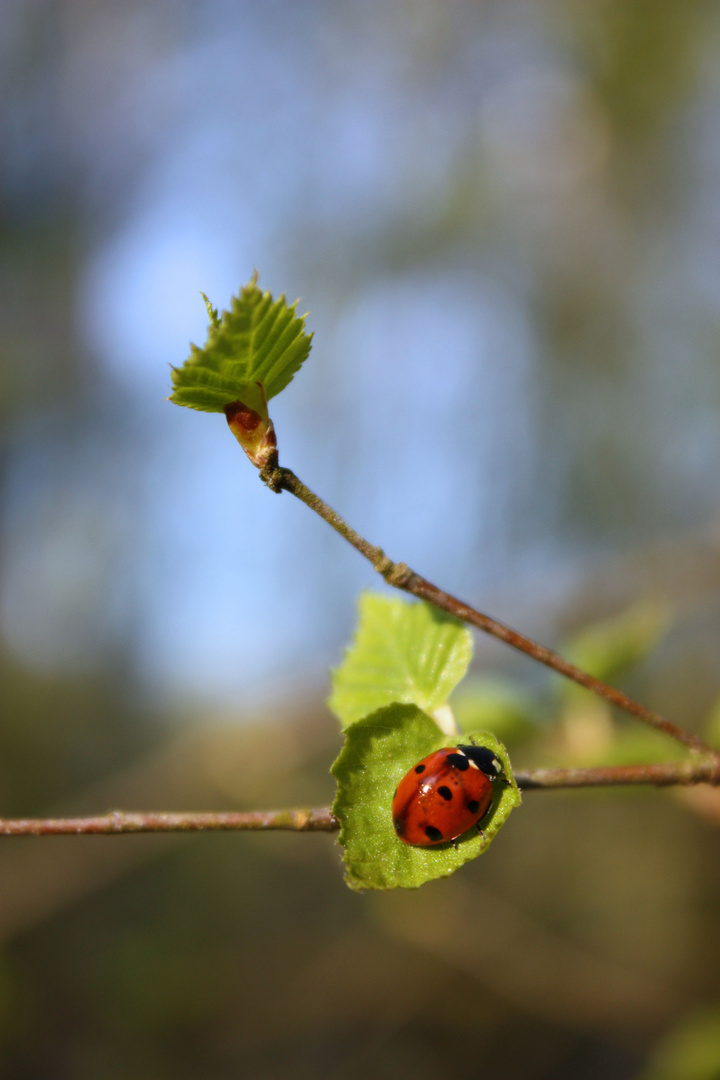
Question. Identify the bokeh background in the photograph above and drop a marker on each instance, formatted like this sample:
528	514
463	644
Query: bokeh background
504	218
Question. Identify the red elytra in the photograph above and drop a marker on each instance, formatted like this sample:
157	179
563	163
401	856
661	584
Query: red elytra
445	794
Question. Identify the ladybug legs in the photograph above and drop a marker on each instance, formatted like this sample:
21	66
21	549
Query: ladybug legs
456	841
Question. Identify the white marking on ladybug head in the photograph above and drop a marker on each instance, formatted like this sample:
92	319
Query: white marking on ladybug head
474	765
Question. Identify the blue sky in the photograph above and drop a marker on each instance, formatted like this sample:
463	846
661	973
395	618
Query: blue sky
416	177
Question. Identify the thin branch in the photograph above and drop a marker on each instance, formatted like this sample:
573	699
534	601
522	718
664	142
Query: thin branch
684	773
402	577
667	774
118	821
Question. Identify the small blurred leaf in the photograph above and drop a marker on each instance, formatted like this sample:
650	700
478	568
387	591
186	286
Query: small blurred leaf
712	728
378	751
608	648
691	1051
259	340
592	737
402	652
494	704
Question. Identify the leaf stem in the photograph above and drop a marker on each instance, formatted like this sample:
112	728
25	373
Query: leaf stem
118	822
402	577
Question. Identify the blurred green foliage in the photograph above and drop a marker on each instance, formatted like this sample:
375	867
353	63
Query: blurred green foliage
608	648
691	1051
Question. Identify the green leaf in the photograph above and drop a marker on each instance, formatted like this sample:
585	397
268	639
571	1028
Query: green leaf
608	648
378	751
259	340
402	652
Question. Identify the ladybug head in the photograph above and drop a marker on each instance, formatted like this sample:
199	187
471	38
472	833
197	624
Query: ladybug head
485	759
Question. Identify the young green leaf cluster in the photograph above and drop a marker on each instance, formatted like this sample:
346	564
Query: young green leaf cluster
405	661
258	341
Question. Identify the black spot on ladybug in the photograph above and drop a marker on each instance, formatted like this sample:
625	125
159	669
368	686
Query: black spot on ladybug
399	826
432	833
419	768
458	761
473	806
445	792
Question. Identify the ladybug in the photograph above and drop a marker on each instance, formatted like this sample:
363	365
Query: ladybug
445	794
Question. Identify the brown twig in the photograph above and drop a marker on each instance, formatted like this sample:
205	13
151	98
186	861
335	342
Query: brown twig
118	822
402	577
667	774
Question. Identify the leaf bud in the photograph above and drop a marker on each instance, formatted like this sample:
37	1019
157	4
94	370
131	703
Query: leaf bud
252	427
